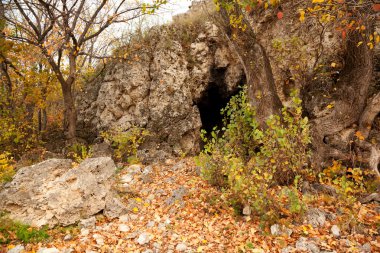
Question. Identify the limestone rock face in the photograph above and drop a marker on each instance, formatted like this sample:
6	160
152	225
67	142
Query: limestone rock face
159	89
53	193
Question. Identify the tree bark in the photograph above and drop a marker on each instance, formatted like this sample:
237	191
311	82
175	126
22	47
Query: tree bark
261	87
70	114
348	98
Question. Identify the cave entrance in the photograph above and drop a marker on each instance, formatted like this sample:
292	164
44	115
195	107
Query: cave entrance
214	98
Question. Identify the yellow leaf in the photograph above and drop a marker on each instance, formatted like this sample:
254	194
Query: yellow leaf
330	106
138	199
135	209
359	43
317	1
359	135
333	64
302	15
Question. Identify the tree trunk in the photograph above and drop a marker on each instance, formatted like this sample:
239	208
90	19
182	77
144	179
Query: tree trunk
261	87
42	120
347	99
70	114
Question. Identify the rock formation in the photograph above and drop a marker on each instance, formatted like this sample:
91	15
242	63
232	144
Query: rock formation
53	193
173	85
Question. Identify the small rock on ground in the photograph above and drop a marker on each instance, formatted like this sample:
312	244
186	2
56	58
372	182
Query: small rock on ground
335	231
17	249
181	247
307	245
144	238
88	223
48	250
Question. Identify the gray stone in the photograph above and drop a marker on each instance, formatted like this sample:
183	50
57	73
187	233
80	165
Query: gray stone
278	230
366	248
147	170
48	250
84	232
150	224
275	229
144	238
316	217
88	223
177	195
247	210
52	193
134	169
68	237
101	150
132	235
124	228
17	249
335	231
288	249
181	247
126	179
99	239
307	245
124	218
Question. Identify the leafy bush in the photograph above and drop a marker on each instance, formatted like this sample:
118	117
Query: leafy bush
248	161
6	168
10	230
126	143
78	152
349	181
16	134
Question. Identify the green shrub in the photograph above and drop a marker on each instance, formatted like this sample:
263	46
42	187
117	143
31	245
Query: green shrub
11	230
126	142
248	161
78	152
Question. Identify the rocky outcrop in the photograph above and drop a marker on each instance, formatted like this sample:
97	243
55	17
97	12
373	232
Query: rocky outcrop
53	193
160	87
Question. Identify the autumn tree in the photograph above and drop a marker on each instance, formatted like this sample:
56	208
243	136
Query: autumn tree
352	107
62	30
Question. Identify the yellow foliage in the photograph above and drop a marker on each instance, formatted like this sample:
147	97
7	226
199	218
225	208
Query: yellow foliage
6	169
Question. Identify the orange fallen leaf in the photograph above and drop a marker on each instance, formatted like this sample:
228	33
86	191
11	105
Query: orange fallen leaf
280	15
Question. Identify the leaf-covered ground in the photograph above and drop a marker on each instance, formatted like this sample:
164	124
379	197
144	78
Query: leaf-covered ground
172	209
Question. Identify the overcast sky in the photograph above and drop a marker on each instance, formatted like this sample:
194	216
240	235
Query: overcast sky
174	7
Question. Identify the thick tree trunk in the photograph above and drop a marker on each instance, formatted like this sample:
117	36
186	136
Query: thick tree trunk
261	87
347	99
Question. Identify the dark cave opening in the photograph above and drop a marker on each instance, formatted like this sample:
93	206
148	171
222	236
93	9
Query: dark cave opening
214	98
212	101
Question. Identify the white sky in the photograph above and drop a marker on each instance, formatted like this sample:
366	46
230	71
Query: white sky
162	16
173	7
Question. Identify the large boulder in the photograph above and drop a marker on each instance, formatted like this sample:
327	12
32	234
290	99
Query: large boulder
55	193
